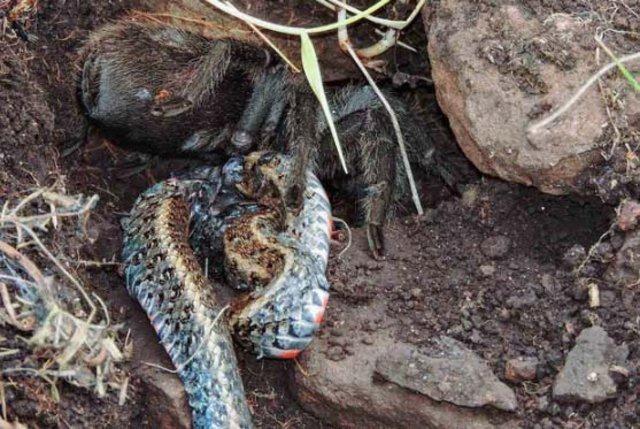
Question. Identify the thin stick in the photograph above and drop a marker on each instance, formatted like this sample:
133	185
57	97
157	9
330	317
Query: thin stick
387	41
3	399
229	8
604	70
26	263
398	42
30	219
8	305
300	368
398	25
27	200
58	264
122	396
274	47
349	236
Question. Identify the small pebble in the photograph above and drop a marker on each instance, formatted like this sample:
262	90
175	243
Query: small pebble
521	369
543	403
416	293
548	283
487	270
496	247
337	332
335	353
574	256
504	314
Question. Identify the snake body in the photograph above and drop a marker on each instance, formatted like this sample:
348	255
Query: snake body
220	215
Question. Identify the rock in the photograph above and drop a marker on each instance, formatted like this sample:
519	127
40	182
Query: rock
496	247
522	300
350	393
416	293
449	372
487	270
628	214
586	373
457	277
625	267
548	283
335	353
499	67
521	369
574	256
543	403
608	298
429	216
166	399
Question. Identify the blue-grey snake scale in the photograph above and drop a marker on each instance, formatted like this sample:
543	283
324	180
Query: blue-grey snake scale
232	217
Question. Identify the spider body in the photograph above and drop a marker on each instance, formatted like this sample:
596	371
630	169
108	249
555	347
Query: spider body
157	89
167	91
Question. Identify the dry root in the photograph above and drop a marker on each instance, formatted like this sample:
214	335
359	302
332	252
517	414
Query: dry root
67	329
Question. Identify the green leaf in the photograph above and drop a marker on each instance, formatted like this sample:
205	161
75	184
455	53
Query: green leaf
311	69
633	81
625	72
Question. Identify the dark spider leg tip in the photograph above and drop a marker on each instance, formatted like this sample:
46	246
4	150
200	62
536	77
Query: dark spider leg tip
72	149
375	238
79	143
136	168
242	141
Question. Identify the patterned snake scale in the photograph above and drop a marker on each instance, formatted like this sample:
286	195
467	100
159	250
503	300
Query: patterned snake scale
220	215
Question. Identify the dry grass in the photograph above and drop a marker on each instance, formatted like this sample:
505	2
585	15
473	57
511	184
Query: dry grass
66	330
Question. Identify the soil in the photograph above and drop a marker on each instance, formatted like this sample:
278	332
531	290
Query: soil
486	268
493	269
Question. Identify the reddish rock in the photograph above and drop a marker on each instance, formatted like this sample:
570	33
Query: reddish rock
497	69
521	369
352	392
628	214
167	402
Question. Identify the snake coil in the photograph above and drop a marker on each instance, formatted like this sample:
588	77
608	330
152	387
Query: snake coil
231	216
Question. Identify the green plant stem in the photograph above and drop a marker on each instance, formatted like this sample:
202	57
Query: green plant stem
229	8
625	72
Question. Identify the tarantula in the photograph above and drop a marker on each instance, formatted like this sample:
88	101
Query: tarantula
159	89
163	90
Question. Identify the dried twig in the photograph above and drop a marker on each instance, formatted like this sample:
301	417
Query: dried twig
80	351
8	306
24	262
349	236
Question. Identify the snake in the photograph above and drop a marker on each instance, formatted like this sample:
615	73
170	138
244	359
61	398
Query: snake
188	235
